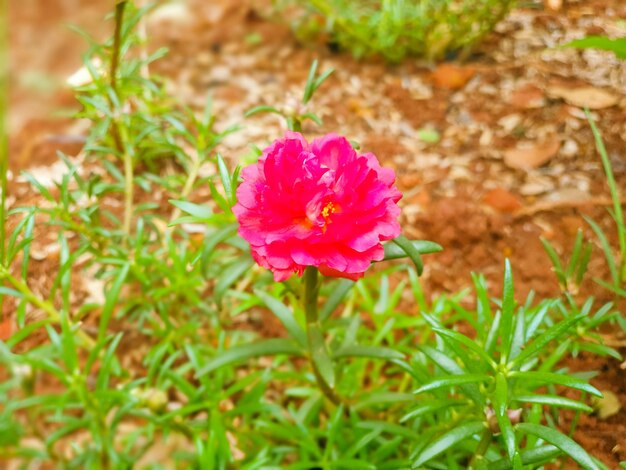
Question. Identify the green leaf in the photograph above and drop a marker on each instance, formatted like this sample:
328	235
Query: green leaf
106	366
556	379
320	356
411	252
230	274
394	251
492	335
600	350
313	117
262	109
391	428
68	343
11	292
611	288
617	212
201	212
319	80
557	439
448	365
554	400
356	464
214	238
542	340
112	296
508	305
313	83
539	318
431	407
501	402
428	135
464	340
519	334
576	250
533	457
616	46
218	198
452	381
378	398
448	440
606	248
226	180
270	347
374	352
309	87
584	262
285	315
38	186
342	288
556	262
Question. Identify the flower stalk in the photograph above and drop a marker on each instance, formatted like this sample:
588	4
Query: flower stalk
314	332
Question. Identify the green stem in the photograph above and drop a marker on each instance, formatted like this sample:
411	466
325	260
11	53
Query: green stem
128	192
483	445
118	130
44	305
117	39
311	291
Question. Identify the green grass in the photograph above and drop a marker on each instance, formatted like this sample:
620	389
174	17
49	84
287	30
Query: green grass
397	29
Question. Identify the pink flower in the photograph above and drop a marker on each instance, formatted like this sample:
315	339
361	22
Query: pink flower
318	204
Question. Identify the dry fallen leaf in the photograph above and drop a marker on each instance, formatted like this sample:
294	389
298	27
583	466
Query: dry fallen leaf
502	200
451	76
360	108
529	156
527	96
607	406
584	97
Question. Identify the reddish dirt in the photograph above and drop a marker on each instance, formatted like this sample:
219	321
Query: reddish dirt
602	437
475	216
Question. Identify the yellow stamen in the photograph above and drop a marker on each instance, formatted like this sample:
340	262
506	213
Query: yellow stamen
326	211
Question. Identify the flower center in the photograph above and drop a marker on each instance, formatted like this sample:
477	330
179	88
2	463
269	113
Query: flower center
328	209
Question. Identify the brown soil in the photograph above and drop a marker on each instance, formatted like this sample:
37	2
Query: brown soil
459	192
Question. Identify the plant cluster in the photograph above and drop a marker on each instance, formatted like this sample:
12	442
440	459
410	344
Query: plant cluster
164	368
395	29
571	273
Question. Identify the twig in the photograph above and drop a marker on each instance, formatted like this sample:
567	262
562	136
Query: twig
564	204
